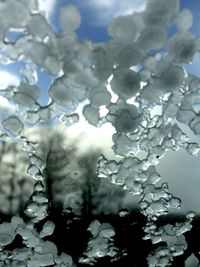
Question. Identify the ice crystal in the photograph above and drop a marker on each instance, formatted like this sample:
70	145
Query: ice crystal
155	95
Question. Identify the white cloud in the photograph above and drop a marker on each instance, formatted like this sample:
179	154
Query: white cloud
5	106
105	10
47	7
8	78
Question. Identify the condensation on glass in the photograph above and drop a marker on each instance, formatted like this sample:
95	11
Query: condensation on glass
146	69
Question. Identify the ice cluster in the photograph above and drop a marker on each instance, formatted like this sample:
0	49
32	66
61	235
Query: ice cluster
101	243
147	70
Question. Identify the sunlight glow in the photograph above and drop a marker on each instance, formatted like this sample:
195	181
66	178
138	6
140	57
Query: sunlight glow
8	78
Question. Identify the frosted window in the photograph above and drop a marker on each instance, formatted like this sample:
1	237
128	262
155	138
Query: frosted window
94	135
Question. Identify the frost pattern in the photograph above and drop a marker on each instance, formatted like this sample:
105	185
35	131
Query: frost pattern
146	71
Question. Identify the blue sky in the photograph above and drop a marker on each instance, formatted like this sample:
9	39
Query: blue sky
96	14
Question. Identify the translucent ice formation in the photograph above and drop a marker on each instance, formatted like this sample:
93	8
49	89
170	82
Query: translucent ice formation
155	95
